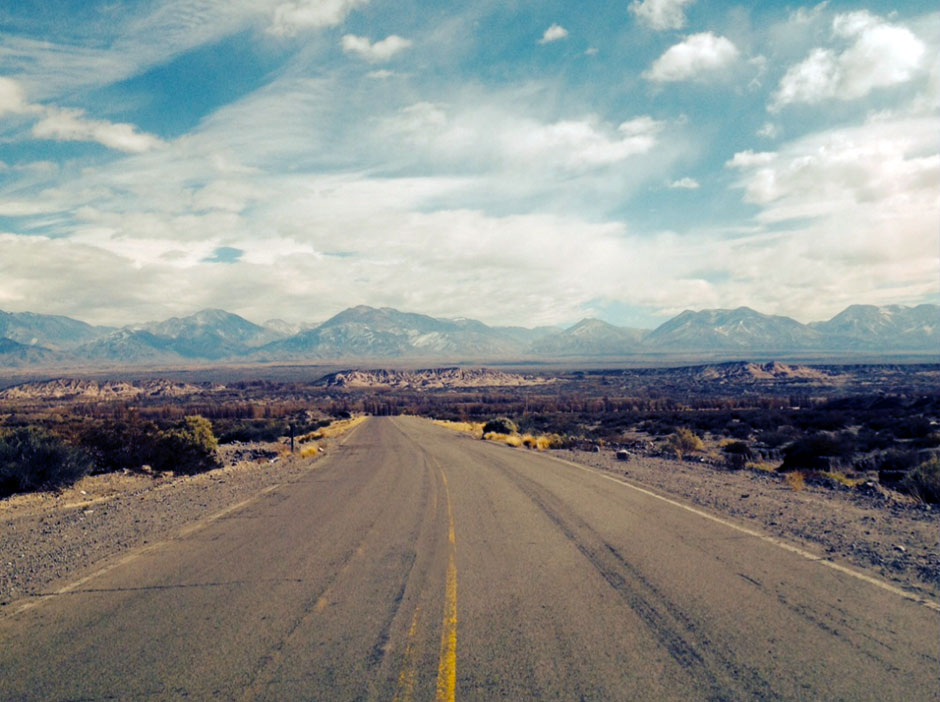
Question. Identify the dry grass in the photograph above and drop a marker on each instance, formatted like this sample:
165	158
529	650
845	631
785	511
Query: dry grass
309	450
843	479
796	481
474	428
508	439
539	442
335	429
766	467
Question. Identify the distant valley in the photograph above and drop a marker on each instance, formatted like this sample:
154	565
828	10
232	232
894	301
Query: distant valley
30	340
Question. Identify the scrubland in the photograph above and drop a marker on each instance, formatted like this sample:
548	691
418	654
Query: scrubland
841	458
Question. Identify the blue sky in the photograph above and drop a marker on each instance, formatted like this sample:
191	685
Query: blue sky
517	162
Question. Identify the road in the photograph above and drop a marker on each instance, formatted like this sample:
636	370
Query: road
414	563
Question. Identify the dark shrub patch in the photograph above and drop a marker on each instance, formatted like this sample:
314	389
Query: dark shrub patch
815	452
500	425
31	459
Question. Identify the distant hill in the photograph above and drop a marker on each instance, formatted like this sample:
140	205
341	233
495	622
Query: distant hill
13	354
368	332
384	333
738	329
868	327
210	334
590	337
49	331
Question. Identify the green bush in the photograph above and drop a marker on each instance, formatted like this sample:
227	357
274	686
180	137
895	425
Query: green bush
31	459
189	447
923	482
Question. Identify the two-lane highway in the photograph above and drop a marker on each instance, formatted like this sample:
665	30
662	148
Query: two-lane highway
417	564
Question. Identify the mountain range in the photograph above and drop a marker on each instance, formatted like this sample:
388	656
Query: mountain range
367	333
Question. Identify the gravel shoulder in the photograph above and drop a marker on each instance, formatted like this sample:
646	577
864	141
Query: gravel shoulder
51	538
875	530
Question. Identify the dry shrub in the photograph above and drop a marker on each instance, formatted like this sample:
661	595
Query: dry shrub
309	450
542	442
508	439
923	482
795	480
684	441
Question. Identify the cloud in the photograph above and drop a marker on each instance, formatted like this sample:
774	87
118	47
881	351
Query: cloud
503	139
378	52
768	130
880	54
13	97
853	211
661	14
62	124
553	33
300	15
697	56
685	184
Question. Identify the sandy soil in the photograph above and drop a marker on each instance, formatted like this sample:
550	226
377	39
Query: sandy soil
871	529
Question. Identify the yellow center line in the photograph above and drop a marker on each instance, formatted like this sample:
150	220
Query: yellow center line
447	670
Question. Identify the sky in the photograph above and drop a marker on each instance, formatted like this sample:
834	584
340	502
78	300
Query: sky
524	162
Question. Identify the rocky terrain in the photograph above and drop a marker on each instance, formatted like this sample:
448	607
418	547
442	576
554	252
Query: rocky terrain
74	389
433	378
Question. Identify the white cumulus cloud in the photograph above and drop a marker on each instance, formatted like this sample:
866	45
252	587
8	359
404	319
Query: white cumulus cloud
661	14
697	56
553	33
12	97
377	52
299	15
61	124
879	54
685	184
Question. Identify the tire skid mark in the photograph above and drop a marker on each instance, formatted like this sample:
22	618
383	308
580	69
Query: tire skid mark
380	648
174	586
414	582
404	692
663	618
313	606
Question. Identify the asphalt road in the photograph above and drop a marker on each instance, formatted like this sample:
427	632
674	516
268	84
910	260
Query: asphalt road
417	564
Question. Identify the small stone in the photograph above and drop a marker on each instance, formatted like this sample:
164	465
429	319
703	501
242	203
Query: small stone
898	547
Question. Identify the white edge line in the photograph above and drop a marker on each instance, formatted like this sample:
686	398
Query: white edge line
763	537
